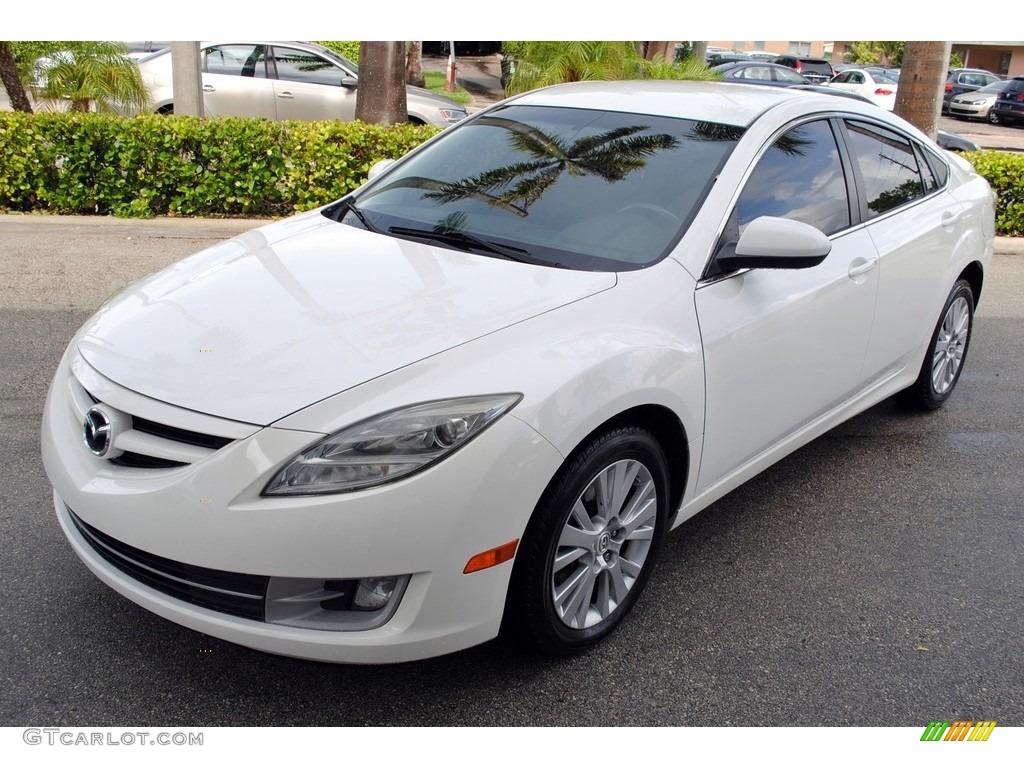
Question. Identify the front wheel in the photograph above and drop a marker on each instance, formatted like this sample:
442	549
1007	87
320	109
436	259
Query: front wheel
947	351
992	117
591	543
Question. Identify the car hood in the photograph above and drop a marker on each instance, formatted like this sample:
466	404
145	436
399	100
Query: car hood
283	316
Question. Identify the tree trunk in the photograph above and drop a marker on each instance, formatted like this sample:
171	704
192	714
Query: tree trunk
700	50
414	64
381	94
922	76
12	81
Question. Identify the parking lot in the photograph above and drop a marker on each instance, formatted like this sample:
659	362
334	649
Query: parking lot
873	578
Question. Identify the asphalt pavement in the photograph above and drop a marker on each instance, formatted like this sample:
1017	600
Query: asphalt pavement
873	578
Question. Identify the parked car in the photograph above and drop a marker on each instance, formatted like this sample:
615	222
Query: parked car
873	84
1009	106
462	48
979	104
283	81
715	58
759	72
815	70
964	80
477	392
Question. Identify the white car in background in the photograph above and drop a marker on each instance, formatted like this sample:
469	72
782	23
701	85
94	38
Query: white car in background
477	392
874	84
283	81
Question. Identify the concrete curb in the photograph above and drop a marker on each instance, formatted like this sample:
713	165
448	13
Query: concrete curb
217	228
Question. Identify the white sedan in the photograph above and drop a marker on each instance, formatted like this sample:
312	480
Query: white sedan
476	393
876	85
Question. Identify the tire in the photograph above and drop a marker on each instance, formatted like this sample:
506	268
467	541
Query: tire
992	118
581	565
947	352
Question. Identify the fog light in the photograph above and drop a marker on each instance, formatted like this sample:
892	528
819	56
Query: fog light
374	594
333	604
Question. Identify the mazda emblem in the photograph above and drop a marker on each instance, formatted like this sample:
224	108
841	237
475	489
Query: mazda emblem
97	432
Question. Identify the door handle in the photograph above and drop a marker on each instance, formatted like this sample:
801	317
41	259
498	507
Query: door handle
860	267
949	218
209	88
285	95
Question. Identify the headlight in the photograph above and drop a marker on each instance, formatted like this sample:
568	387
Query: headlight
453	115
390	446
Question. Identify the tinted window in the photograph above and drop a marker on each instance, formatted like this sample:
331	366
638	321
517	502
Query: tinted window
787	76
888	166
800	177
239	60
302	67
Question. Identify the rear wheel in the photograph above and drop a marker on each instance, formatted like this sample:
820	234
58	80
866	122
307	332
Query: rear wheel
947	351
591	544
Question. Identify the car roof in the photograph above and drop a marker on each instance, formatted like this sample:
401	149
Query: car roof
715	102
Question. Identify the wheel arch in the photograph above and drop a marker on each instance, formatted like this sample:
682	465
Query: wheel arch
974	274
670	433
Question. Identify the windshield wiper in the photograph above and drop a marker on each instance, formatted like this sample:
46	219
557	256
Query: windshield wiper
348	205
457	238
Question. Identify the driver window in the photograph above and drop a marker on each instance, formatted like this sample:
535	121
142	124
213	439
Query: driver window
302	67
799	177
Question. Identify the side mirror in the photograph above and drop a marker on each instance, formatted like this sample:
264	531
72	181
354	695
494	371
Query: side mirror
349	82
378	168
773	243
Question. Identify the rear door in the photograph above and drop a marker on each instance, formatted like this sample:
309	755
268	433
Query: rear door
915	225
235	81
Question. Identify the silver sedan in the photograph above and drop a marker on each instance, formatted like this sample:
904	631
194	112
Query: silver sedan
283	81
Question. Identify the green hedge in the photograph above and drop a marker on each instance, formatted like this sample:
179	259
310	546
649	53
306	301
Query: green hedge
183	166
1005	172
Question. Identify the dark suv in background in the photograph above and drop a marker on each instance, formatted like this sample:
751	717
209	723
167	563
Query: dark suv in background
1009	104
815	70
964	80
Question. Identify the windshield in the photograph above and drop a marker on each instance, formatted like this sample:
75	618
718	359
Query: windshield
572	188
995	87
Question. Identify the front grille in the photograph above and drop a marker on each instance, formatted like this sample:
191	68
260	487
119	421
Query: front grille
240	594
150	444
179	435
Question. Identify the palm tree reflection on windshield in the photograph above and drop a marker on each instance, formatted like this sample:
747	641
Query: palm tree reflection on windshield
611	155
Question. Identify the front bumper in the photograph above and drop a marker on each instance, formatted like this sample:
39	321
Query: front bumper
967	110
209	515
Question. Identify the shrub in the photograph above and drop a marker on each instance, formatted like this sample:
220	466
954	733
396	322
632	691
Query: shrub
183	166
347	48
1005	172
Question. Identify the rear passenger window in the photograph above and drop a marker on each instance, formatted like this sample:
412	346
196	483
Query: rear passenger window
888	167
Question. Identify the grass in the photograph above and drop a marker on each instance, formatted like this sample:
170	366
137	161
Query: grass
435	83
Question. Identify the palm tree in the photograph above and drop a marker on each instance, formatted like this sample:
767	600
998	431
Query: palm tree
93	74
381	97
919	95
566	61
12	79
